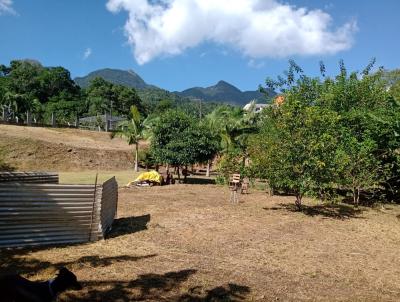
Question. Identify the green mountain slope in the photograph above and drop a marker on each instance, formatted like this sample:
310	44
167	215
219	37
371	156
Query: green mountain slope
116	76
224	92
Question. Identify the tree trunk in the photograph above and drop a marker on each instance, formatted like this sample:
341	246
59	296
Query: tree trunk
356	196
136	157
208	168
179	175
298	201
268	188
185	175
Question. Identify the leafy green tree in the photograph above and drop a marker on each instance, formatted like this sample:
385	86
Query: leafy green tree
295	149
352	142
132	130
103	96
391	79
178	140
28	86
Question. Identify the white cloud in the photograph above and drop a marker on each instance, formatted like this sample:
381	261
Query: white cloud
6	7
254	64
257	28
87	53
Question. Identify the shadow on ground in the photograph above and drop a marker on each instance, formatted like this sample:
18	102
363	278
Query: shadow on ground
157	287
14	262
200	181
336	211
128	225
147	287
5	167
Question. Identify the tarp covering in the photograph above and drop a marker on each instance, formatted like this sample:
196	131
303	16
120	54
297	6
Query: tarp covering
152	176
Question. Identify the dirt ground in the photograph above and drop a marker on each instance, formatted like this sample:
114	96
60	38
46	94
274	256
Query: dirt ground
71	137
53	149
187	243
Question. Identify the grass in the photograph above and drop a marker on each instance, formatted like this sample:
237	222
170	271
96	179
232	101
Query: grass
88	177
187	243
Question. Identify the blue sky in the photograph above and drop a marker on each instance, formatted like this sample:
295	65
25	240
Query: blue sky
184	44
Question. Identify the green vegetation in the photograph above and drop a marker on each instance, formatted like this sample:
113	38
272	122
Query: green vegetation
227	93
179	140
27	86
133	131
330	135
115	76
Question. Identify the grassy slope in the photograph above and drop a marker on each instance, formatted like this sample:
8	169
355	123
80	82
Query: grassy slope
39	149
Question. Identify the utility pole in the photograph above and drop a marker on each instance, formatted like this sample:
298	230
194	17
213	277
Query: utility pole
200	113
111	106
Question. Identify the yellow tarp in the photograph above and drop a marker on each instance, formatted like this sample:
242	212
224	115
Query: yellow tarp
153	176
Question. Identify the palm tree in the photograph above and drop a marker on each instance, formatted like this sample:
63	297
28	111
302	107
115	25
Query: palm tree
234	127
132	130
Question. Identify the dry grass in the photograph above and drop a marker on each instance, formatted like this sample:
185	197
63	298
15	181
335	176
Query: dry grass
53	149
187	243
88	177
70	137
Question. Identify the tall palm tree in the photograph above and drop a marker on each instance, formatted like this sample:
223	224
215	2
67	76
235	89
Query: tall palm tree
232	125
132	131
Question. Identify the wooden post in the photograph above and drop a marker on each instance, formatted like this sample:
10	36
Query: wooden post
91	238
208	168
106	121
53	119
28	118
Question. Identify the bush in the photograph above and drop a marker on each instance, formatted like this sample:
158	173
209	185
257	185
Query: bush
230	163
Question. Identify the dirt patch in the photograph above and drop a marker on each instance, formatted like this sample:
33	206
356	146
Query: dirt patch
30	148
35	155
187	243
71	137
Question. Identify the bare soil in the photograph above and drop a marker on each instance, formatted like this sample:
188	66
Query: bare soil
187	243
43	149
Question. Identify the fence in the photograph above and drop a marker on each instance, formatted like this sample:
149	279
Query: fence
33	214
104	122
29	177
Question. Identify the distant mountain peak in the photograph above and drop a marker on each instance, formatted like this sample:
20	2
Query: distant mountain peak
222	83
116	76
222	91
225	92
226	86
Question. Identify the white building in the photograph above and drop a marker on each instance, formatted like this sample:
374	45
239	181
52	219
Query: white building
253	106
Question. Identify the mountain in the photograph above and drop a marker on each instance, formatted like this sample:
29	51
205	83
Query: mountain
224	92
116	76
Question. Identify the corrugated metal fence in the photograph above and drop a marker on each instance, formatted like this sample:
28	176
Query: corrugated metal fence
30	177
34	214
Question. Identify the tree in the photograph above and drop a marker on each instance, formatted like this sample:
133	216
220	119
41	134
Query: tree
103	96
28	86
179	140
295	149
340	132
132	131
391	79
234	127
